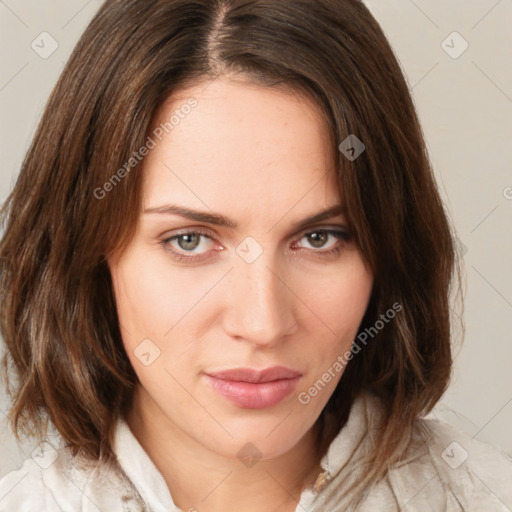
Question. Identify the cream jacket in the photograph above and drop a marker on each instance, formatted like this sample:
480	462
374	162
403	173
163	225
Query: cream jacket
451	473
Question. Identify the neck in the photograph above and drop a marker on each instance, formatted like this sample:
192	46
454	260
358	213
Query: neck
199	479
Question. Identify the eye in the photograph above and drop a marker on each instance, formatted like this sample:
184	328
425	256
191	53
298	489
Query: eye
190	245
318	240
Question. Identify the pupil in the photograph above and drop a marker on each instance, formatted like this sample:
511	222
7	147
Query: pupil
318	239
191	241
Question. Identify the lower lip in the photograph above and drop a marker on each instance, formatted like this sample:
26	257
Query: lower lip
254	396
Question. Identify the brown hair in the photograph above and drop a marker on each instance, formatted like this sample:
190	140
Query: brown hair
58	315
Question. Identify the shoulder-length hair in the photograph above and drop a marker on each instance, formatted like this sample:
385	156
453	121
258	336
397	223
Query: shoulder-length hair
58	315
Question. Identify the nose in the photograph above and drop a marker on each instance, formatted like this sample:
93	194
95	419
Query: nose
261	306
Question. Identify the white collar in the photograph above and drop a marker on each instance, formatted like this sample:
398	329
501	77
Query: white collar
141	470
153	489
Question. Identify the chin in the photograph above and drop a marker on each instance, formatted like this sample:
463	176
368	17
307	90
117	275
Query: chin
264	440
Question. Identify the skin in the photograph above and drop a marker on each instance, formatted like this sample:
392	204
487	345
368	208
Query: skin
260	157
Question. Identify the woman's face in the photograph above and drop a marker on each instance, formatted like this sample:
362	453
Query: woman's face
197	297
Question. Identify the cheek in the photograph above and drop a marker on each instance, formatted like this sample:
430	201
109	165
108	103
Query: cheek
148	311
151	300
339	302
339	308
158	310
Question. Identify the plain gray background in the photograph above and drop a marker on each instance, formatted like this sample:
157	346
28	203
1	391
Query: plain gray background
462	87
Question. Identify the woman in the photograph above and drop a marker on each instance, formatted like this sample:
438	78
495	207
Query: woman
226	272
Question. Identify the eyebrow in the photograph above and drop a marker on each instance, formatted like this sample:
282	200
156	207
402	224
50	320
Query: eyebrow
220	220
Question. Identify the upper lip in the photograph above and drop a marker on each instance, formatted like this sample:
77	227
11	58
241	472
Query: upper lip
256	376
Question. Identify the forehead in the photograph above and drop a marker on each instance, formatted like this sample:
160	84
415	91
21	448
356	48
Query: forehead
240	149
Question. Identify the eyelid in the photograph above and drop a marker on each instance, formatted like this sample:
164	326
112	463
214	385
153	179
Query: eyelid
341	233
210	234
324	227
190	231
167	235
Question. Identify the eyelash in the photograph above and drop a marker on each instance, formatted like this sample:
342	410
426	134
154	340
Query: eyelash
342	236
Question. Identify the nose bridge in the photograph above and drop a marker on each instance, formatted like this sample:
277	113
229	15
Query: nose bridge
261	306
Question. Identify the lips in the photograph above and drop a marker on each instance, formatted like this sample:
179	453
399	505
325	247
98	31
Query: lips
256	376
254	389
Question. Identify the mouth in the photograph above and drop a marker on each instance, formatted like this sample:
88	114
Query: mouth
254	389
